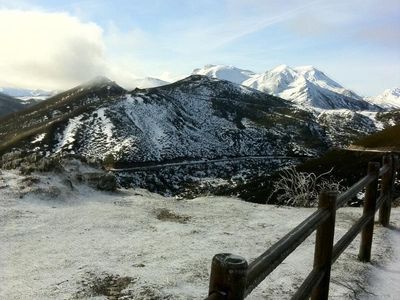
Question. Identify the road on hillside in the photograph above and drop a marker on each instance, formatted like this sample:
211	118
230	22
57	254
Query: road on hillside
204	161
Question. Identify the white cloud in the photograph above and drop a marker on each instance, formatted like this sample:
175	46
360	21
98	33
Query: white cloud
49	50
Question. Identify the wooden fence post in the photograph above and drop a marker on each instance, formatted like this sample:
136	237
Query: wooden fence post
369	209
396	172
324	245
386	190
228	276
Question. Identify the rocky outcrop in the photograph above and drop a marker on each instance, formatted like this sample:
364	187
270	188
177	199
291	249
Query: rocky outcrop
71	167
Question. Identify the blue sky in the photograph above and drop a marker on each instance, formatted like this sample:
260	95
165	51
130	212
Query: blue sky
357	43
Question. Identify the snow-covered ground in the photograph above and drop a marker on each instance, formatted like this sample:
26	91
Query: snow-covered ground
58	242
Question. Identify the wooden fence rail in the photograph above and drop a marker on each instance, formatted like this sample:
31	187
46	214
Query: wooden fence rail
232	278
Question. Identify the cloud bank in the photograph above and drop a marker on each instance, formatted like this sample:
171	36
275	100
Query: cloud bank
54	50
355	41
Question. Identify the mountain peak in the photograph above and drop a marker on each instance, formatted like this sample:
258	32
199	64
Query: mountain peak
99	81
389	99
224	72
280	68
148	82
307	68
394	91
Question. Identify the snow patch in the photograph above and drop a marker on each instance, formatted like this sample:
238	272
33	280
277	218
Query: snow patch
39	138
68	136
65	246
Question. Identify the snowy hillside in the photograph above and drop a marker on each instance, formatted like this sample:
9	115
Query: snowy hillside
389	99
343	126
224	72
305	85
195	118
62	240
148	82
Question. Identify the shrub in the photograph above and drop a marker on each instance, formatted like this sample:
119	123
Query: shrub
296	188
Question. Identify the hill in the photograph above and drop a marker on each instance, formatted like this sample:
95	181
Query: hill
195	118
9	105
385	140
16	130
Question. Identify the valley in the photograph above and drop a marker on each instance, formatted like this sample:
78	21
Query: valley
181	138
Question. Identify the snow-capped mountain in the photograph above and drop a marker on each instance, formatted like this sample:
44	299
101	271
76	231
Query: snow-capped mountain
306	86
224	72
149	82
389	99
28	94
9	105
195	118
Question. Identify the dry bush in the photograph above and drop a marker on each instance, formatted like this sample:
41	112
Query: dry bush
295	188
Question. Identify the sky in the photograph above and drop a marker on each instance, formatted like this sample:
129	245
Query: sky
59	44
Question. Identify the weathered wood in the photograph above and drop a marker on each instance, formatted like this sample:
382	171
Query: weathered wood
215	296
232	278
396	173
349	236
217	276
371	194
312	280
228	277
386	191
347	195
324	245
262	266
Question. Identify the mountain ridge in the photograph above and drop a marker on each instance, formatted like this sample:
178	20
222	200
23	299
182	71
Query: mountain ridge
388	99
304	85
196	117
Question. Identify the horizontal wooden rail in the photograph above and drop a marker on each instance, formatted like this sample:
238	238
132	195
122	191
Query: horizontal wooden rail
233	279
269	260
344	197
312	280
349	236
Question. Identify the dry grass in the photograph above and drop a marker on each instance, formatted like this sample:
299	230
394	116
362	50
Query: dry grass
165	214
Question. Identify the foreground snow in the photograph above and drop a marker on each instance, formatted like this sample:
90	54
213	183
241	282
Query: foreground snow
58	243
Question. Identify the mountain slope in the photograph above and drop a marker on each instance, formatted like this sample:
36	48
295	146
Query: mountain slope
389	99
306	86
195	118
9	105
148	82
309	87
385	140
224	72
389	118
344	126
55	111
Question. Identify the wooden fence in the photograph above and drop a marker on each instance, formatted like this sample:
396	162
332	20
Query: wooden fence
232	278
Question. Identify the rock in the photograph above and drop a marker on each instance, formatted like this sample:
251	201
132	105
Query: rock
67	182
101	181
32	158
12	156
107	182
49	164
